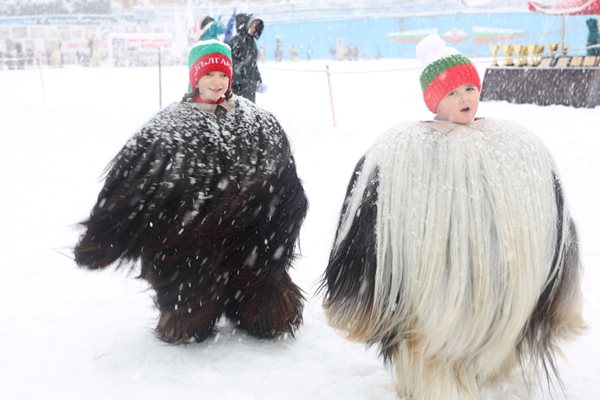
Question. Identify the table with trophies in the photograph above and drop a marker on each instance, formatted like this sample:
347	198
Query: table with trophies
527	76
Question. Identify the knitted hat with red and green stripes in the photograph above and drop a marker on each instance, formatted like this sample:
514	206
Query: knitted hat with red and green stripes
445	70
209	56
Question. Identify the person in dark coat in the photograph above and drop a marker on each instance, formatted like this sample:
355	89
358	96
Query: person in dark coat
206	197
593	38
244	52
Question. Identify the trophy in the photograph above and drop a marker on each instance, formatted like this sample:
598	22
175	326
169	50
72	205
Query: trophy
564	60
538	53
508	53
532	60
524	55
547	61
553	48
517	51
494	49
521	55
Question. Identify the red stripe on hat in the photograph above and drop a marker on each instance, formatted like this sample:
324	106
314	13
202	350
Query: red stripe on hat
447	81
210	63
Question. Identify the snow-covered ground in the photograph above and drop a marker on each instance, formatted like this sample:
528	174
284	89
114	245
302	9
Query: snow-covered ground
68	334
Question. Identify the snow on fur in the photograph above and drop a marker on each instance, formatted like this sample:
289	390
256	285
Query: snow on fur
471	238
211	205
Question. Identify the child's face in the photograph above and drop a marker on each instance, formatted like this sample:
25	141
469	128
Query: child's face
460	105
213	85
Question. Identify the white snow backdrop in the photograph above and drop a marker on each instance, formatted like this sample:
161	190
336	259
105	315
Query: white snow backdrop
68	334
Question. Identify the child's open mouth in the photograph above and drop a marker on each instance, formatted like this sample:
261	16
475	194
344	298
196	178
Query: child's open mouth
466	109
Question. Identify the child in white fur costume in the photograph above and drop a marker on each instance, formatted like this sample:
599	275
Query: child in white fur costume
455	250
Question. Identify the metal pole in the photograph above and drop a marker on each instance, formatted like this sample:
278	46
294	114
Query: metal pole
330	94
39	63
563	33
159	81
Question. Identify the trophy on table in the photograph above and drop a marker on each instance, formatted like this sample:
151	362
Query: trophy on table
553	49
521	55
538	53
549	61
508	54
494	49
564	60
532	55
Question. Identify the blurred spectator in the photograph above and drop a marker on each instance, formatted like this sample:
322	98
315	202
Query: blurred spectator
278	49
94	53
211	29
294	53
593	38
56	56
11	57
353	53
244	54
341	50
20	56
29	57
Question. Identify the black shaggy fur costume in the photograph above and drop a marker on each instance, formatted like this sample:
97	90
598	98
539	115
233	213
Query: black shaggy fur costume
211	206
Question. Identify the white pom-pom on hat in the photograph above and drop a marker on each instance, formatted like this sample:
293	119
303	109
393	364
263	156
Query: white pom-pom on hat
432	48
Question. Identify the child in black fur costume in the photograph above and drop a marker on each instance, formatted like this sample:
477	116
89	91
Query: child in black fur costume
206	196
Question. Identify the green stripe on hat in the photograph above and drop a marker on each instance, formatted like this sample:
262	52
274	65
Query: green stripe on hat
438	66
205	47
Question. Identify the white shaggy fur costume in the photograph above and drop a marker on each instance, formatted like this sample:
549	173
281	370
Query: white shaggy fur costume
456	253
